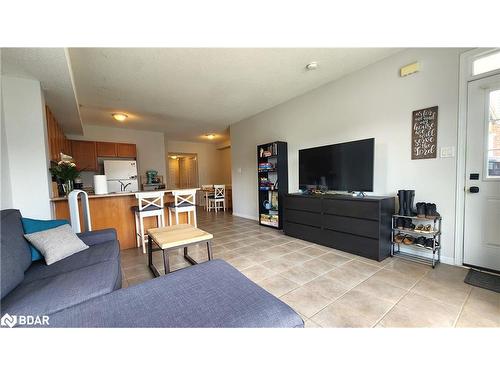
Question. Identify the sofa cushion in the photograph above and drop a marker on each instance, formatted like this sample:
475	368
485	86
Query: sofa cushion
101	252
15	252
57	243
49	295
33	226
211	294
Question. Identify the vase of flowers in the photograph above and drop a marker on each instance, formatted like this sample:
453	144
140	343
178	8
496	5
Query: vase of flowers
66	172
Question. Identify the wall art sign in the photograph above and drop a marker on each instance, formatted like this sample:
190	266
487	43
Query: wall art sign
424	133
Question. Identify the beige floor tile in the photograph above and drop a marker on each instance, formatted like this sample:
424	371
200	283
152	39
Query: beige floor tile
471	318
305	301
442	292
350	278
308	323
353	309
138	279
299	275
483	304
261	256
297	257
317	266
327	287
381	289
408	268
375	263
396	278
279	265
415	310
241	262
312	251
452	275
361	267
257	273
334	259
278	285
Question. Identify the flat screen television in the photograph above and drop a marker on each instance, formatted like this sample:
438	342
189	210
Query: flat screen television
342	167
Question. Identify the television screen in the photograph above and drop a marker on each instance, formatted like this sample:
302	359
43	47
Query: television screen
342	167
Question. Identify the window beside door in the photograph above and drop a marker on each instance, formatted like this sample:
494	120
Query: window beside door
493	151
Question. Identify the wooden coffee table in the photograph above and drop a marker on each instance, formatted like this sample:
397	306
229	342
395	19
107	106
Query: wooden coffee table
175	237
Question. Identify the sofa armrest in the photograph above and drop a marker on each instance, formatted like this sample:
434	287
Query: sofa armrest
97	236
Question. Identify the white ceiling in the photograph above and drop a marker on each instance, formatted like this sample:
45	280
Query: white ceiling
51	67
186	92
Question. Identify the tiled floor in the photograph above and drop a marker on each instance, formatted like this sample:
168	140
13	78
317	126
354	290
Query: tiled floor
331	288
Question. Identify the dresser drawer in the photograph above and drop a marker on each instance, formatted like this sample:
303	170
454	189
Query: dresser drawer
304	232
303	217
354	244
360	227
303	204
362	209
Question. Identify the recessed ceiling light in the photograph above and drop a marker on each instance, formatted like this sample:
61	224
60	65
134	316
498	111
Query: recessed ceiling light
119	116
173	157
210	136
312	66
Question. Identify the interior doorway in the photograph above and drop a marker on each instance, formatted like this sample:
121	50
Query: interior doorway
182	170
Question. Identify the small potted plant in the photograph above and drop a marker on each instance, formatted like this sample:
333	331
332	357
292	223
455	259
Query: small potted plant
66	172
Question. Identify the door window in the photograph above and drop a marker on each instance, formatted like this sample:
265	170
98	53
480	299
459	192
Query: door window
486	63
493	150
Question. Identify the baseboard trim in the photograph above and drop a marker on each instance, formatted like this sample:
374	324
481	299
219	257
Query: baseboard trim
244	216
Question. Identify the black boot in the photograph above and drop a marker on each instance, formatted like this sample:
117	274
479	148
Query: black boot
421	209
409	197
401	197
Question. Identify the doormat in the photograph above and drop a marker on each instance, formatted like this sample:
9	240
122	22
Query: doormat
483	280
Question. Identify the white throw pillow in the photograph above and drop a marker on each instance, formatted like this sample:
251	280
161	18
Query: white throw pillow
56	243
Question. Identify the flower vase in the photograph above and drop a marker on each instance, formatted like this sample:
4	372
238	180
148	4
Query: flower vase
67	187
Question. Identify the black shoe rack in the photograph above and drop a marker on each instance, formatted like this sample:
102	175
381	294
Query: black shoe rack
418	253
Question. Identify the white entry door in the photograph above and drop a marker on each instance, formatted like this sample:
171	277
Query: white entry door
482	196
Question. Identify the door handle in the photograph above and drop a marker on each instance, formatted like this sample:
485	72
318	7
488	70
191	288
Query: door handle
474	189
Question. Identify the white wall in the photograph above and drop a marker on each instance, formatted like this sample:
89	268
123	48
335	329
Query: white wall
24	147
373	102
224	160
210	168
150	145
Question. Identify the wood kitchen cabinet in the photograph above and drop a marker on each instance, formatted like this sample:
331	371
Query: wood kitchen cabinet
126	150
106	149
57	140
85	155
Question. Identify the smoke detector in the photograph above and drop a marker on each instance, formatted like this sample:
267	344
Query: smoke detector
312	66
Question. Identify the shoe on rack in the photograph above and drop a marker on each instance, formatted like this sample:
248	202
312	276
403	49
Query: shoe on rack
421	210
430	211
409	240
419	228
427	229
400	223
399	238
409	197
429	242
401	198
407	224
421	241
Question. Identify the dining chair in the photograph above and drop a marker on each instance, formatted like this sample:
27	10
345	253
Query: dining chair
184	201
208	192
149	204
219	198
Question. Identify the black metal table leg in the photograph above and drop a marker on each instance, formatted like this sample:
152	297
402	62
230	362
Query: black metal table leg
209	249
150	258
187	257
166	264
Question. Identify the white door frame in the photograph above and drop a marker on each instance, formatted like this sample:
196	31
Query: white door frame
466	76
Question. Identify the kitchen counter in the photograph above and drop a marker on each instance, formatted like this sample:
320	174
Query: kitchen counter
114	210
110	195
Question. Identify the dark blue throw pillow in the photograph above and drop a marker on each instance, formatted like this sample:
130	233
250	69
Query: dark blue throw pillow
33	226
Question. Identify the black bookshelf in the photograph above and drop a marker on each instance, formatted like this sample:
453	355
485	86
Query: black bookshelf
272	178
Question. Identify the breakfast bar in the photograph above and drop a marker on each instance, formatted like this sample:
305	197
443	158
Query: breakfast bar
114	210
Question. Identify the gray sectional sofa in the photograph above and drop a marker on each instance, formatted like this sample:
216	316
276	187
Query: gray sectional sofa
83	290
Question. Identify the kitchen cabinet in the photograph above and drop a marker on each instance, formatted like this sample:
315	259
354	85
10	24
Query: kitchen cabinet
126	150
57	140
85	155
106	149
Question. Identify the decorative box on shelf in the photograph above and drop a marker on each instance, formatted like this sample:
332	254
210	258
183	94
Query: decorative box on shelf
428	252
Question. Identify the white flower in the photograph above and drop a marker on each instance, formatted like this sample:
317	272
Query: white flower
60	162
72	164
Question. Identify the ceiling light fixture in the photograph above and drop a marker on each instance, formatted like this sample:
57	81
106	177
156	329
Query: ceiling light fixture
173	157
119	116
210	136
312	66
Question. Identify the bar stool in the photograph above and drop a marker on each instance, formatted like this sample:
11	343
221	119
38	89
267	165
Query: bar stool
219	197
150	204
184	201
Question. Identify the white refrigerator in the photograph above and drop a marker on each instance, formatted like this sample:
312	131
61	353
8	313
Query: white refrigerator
121	175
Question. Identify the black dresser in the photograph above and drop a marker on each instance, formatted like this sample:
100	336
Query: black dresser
360	226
